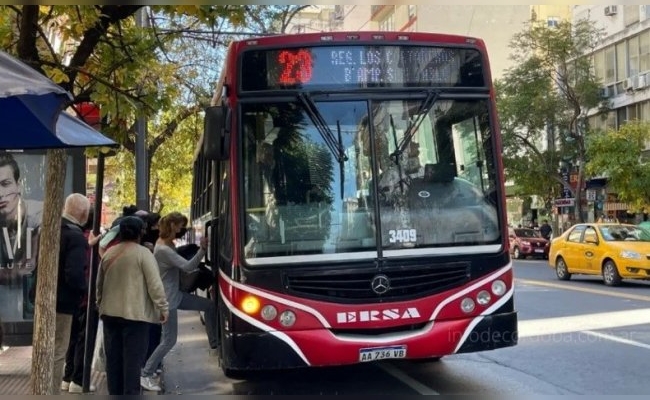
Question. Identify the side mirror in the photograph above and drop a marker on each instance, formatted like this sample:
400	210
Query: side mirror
215	133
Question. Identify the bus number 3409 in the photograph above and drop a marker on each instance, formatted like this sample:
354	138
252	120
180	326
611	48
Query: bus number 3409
402	236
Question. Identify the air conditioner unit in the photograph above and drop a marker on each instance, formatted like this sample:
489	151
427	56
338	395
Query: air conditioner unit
639	82
628	84
604	93
610	10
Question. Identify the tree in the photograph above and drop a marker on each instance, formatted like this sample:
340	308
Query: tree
620	156
195	48
272	19
543	103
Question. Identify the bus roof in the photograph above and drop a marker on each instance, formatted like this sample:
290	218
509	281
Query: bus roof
384	36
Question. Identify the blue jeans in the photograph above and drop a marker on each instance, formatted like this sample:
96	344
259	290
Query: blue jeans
170	329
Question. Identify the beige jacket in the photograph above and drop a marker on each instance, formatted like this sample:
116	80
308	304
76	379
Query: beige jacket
129	284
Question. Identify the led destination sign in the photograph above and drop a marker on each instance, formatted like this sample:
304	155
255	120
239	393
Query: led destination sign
329	67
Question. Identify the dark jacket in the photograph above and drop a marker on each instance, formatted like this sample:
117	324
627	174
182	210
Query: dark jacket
71	284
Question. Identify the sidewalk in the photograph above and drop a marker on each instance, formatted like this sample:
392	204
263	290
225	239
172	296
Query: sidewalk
189	368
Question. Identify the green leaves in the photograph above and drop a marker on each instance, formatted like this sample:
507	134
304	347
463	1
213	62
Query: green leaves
620	155
542	101
165	71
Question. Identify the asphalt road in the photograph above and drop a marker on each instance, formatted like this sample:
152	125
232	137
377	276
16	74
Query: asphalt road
576	337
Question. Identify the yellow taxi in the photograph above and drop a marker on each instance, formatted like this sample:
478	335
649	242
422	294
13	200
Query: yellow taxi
613	250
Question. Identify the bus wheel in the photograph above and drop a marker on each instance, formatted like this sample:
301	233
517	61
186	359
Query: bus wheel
561	270
611	277
237	374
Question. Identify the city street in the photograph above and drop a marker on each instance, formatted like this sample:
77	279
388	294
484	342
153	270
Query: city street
576	337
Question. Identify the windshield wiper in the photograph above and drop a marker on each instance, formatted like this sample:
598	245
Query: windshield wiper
414	124
328	136
395	158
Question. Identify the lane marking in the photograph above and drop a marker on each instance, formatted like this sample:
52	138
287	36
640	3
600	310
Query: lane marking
583	289
585	322
618	339
401	376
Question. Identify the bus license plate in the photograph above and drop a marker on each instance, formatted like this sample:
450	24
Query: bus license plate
381	353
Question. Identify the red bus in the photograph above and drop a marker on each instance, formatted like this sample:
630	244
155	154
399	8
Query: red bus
352	187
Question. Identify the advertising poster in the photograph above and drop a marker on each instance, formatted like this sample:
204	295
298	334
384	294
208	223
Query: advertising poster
22	187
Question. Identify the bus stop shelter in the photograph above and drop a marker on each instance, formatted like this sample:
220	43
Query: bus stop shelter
33	116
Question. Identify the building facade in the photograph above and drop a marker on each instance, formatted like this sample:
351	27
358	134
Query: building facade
622	63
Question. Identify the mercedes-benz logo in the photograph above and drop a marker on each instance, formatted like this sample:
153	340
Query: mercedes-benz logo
380	284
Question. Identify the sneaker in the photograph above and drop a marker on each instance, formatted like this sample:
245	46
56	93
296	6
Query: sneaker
65	386
148	383
74	388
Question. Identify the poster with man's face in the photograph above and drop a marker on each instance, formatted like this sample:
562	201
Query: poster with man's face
22	195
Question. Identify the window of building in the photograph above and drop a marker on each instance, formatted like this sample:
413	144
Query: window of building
621	117
610	65
633	51
552	22
412	11
644	52
644	111
621	62
599	65
633	112
610	123
596	122
388	23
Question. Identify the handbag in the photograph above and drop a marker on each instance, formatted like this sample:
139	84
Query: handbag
201	279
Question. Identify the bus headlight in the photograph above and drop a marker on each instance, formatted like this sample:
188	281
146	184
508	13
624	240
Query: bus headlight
467	305
250	305
287	318
483	297
498	287
269	312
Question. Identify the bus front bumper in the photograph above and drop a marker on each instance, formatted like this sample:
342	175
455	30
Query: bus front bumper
282	350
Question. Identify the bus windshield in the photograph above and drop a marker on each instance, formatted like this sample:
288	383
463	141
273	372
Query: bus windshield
414	174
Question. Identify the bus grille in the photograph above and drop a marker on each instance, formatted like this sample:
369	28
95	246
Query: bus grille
352	285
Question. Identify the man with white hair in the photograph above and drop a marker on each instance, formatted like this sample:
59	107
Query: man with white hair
71	283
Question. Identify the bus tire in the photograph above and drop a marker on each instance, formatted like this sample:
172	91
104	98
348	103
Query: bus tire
236	374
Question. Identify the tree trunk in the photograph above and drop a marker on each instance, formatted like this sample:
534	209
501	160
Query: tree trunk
578	196
48	269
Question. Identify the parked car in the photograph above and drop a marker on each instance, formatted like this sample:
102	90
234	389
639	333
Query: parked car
526	242
613	250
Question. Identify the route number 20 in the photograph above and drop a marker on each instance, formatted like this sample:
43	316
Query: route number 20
402	236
